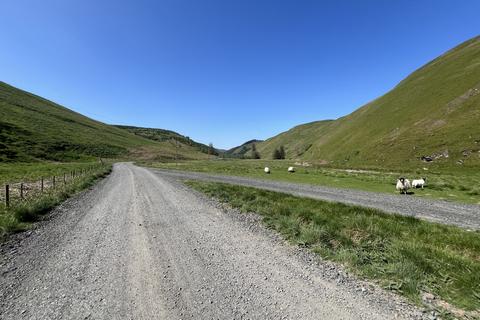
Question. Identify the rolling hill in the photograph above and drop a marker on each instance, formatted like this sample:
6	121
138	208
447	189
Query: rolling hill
432	115
162	135
35	129
243	150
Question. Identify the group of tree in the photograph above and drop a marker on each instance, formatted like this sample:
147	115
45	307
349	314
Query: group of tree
211	150
255	153
279	153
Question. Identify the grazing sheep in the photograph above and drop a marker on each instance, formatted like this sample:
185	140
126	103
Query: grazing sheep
419	183
267	170
407	184
403	185
291	169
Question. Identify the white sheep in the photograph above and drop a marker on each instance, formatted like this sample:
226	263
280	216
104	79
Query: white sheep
419	183
267	170
291	169
403	185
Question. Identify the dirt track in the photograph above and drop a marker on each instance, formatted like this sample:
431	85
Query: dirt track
142	246
458	214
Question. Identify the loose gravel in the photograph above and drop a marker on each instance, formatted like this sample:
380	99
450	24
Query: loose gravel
141	245
462	215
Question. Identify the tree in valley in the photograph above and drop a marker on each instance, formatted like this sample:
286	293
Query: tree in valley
282	152
276	154
211	149
255	153
279	153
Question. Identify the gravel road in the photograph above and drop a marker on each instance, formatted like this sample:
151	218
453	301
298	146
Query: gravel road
462	215
140	245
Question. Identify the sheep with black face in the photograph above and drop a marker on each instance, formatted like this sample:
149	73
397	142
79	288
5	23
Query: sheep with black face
403	185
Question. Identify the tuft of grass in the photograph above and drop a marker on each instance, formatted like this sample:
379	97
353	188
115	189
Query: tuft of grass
404	254
19	216
474	192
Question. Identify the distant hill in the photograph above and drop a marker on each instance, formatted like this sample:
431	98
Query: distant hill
35	129
433	114
243	150
162	135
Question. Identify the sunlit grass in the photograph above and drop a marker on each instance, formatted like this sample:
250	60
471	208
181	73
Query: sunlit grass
21	213
404	254
453	185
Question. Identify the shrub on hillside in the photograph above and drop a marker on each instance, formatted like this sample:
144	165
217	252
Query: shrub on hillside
279	153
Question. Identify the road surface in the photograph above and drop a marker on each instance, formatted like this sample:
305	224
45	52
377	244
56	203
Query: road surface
458	214
143	246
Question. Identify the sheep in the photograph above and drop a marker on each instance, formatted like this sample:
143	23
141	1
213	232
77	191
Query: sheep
291	169
419	183
267	170
403	185
407	184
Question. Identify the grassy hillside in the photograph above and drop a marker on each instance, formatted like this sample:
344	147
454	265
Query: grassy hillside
243	150
35	129
162	135
297	140
434	112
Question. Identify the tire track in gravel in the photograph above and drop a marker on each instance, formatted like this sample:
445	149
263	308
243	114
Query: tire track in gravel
458	214
143	246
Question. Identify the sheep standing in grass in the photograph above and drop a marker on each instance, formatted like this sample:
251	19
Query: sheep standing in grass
419	183
403	185
267	170
291	169
407	183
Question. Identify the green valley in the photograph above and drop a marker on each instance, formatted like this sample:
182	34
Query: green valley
434	113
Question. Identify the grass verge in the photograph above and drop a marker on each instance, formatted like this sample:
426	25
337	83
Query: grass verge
403	254
460	185
19	216
21	171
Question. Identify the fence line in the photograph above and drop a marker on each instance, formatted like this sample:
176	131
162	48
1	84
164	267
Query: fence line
23	191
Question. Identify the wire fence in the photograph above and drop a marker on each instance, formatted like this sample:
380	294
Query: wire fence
17	192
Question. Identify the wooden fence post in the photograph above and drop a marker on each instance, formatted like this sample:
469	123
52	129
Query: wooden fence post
7	195
41	185
53	182
64	178
21	190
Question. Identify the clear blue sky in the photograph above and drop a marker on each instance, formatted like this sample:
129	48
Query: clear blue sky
222	71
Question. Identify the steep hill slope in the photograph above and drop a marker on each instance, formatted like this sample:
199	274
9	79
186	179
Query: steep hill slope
434	112
243	150
297	140
33	128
